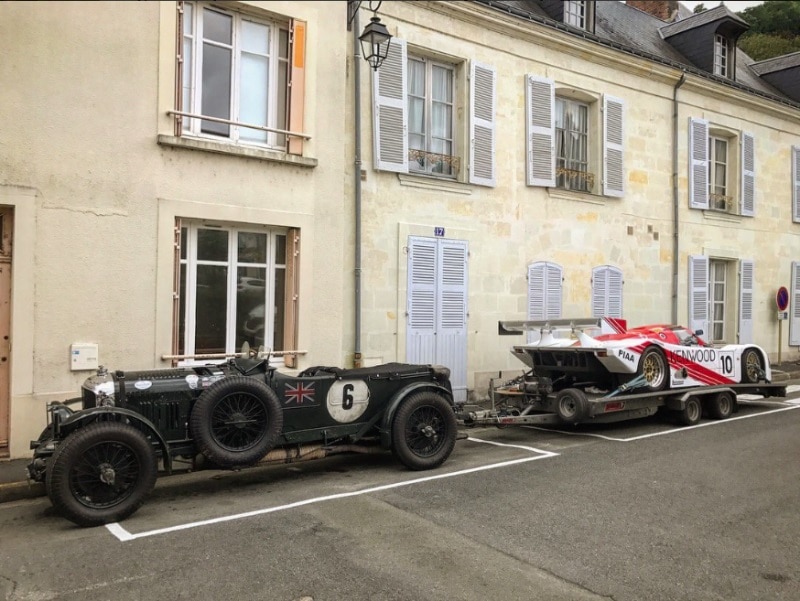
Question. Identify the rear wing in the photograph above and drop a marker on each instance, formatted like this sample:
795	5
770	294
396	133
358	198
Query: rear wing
594	325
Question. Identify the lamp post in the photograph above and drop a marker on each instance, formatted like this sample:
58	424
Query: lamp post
374	41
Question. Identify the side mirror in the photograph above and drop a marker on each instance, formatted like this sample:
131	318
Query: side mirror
698	332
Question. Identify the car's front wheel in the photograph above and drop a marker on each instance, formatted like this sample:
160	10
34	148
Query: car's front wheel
424	431
752	366
101	473
653	366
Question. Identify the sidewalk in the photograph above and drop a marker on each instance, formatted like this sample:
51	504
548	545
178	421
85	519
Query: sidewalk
14	485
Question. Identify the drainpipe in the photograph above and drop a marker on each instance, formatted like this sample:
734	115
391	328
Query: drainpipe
675	205
357	188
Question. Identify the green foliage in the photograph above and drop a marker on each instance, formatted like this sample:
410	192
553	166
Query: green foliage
774	29
700	8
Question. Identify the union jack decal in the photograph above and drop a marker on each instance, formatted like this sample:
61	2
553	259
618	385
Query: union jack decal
300	395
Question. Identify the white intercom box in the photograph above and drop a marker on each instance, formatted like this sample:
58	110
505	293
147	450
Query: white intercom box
83	355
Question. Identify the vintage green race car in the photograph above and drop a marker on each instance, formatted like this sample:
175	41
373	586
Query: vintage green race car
100	462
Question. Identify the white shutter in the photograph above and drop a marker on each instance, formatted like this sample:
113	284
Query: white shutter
796	184
748	175
540	107
390	117
421	303
613	146
544	293
451	334
794	306
698	164
745	301
698	293
606	291
483	131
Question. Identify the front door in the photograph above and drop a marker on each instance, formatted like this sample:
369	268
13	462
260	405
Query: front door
437	307
6	230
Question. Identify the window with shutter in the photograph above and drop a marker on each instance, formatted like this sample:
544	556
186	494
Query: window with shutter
606	291
698	164
540	131
794	305
796	184
748	175
390	116
544	292
698	294
745	301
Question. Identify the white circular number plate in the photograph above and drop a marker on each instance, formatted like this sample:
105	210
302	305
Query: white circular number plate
347	400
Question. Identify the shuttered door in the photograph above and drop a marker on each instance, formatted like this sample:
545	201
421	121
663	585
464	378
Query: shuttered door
437	307
698	294
746	301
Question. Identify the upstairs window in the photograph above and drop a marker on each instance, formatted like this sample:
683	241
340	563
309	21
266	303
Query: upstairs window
722	56
572	146
575	13
234	71
430	117
718	198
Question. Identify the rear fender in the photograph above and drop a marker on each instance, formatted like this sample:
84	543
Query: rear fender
79	419
398	398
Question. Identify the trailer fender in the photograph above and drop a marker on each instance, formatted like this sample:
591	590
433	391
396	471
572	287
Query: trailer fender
79	419
385	428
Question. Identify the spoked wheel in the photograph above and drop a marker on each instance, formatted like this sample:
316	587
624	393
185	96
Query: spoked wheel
424	431
236	421
752	366
653	366
101	473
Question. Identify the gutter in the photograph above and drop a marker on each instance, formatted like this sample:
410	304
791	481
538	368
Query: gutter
675	204
357	187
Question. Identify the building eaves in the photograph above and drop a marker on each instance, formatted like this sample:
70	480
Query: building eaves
700	19
663	57
778	63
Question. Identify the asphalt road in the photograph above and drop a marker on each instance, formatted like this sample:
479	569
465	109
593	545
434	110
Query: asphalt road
632	511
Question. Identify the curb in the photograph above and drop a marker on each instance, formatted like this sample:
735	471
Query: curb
17	491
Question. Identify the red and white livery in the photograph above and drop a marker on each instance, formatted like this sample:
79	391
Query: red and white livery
606	353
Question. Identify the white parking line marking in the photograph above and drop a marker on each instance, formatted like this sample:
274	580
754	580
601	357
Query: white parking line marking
792	388
671	431
123	535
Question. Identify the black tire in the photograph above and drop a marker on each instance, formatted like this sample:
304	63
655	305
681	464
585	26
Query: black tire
101	473
572	406
424	431
720	406
752	366
653	366
692	412
236	421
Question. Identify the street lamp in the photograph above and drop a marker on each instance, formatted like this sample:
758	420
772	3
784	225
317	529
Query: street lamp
375	42
375	38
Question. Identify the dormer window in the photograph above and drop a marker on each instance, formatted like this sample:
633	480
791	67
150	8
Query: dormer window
722	56
575	13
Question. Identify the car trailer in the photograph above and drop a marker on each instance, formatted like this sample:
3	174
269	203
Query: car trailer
511	404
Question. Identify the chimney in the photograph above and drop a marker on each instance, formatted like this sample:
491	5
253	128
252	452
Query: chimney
666	10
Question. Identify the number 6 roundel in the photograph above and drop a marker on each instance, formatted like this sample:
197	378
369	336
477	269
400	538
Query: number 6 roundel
347	400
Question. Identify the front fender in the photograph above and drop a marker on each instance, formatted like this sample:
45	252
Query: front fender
84	417
397	398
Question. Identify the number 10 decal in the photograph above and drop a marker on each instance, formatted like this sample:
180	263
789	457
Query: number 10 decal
727	364
347	400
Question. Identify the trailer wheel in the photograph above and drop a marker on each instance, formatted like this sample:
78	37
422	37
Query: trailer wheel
572	406
720	406
101	473
653	366
752	368
424	431
692	412
236	421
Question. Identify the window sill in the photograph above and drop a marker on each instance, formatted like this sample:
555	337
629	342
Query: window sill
261	154
721	216
587	197
434	183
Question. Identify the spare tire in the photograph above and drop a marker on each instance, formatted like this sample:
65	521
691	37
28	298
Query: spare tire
236	421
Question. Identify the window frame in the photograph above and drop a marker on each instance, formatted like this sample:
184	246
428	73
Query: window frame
715	268
723	56
278	98
575	13
728	203
185	314
567	171
452	161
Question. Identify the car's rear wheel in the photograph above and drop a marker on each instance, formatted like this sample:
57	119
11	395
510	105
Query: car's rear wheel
236	421
752	366
424	431
571	406
101	473
720	406
653	366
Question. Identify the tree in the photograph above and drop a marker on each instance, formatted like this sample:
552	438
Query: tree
774	29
